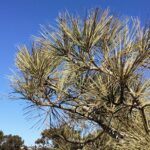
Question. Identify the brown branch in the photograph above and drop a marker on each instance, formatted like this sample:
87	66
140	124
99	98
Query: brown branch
112	132
145	123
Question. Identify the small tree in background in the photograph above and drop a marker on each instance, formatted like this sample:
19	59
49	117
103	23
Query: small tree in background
55	138
11	142
1	137
90	74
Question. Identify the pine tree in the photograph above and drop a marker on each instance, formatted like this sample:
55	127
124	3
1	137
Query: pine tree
91	75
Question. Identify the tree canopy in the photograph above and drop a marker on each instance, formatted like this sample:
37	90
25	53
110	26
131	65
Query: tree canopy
10	142
89	73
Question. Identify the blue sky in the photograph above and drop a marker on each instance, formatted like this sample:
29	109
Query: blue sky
19	20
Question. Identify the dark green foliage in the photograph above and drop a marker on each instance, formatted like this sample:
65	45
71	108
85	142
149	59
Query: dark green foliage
10	142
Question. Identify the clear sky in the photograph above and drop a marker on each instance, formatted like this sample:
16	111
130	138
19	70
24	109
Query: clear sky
19	19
